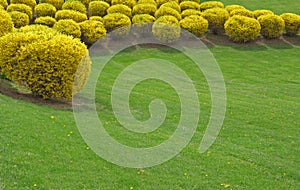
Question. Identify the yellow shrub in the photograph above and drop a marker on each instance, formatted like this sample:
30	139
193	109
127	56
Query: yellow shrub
74	5
258	13
197	25
21	8
163	11
166	29
230	8
3	3
46	20
91	31
189	5
84	2
141	19
271	25
30	3
292	23
68	27
242	29
129	3
216	18
211	4
144	9
98	8
142	24
117	21
173	5
160	2
96	18
152	2
44	9
242	12
19	19
2	8
56	3
6	23
189	12
197	1
70	14
120	9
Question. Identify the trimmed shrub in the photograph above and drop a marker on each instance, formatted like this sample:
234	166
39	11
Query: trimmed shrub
292	23
19	19
129	3
160	2
197	1
163	11
211	4
98	8
56	3
242	29
120	9
230	8
3	3
197	25
173	5
91	31
1	8
258	13
271	25
144	9
70	14
85	3
242	12
44	9
68	27
6	23
189	5
74	5
30	3
96	18
46	20
166	29
21	8
216	18
142	24
152	2
189	12
142	19
116	21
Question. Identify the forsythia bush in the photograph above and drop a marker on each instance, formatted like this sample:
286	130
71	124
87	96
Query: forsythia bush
91	31
98	8
45	20
292	23
30	3
189	5
44	61
166	29
129	3
153	2
117	21
144	9
242	28
56	3
19	19
160	2
3	3
120	9
216	18
74	5
197	25
96	18
211	4
163	11
258	13
230	8
21	8
6	23
271	25
173	5
242	12
44	9
68	27
190	12
70	14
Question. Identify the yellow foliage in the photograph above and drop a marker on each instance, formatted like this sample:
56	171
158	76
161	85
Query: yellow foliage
258	13
211	4
6	23
120	9
271	25
144	9
189	5
91	31
68	27
56	3
160	2
230	8
152	2
98	8
242	12
117	21
166	29
216	18
21	8
3	3
173	5
197	25
70	14
129	3
44	9
189	12
96	18
292	23
45	20
30	3
19	19
74	5
163	11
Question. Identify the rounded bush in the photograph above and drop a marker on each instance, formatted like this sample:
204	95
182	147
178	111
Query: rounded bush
56	3
6	23
211	4
68	27
271	25
166	29
30	3
142	24
91	31
189	5
242	12
164	11
152	2
19	19
85	3
189	12
216	18
98	8
44	9
96	18
242	28
120	9
74	5
21	8
2	8
173	5
142	19
197	1
258	13
197	25
129	3
292	23
230	8
160	2
116	21
3	3
70	14
46	20
144	9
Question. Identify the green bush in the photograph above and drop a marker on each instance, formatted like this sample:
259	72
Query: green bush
96	18
292	23
6	23
74	5
197	25
189	5
34	59
129	3
271	25
3	3
98	8
211	4
166	29
19	19
120	9
242	28
56	3
21	8
242	12
44	9
164	11
216	18
189	12
30	3
45	20
160	2
258	13
70	14
144	9
68	27
173	5
230	8
117	21
152	2
91	31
